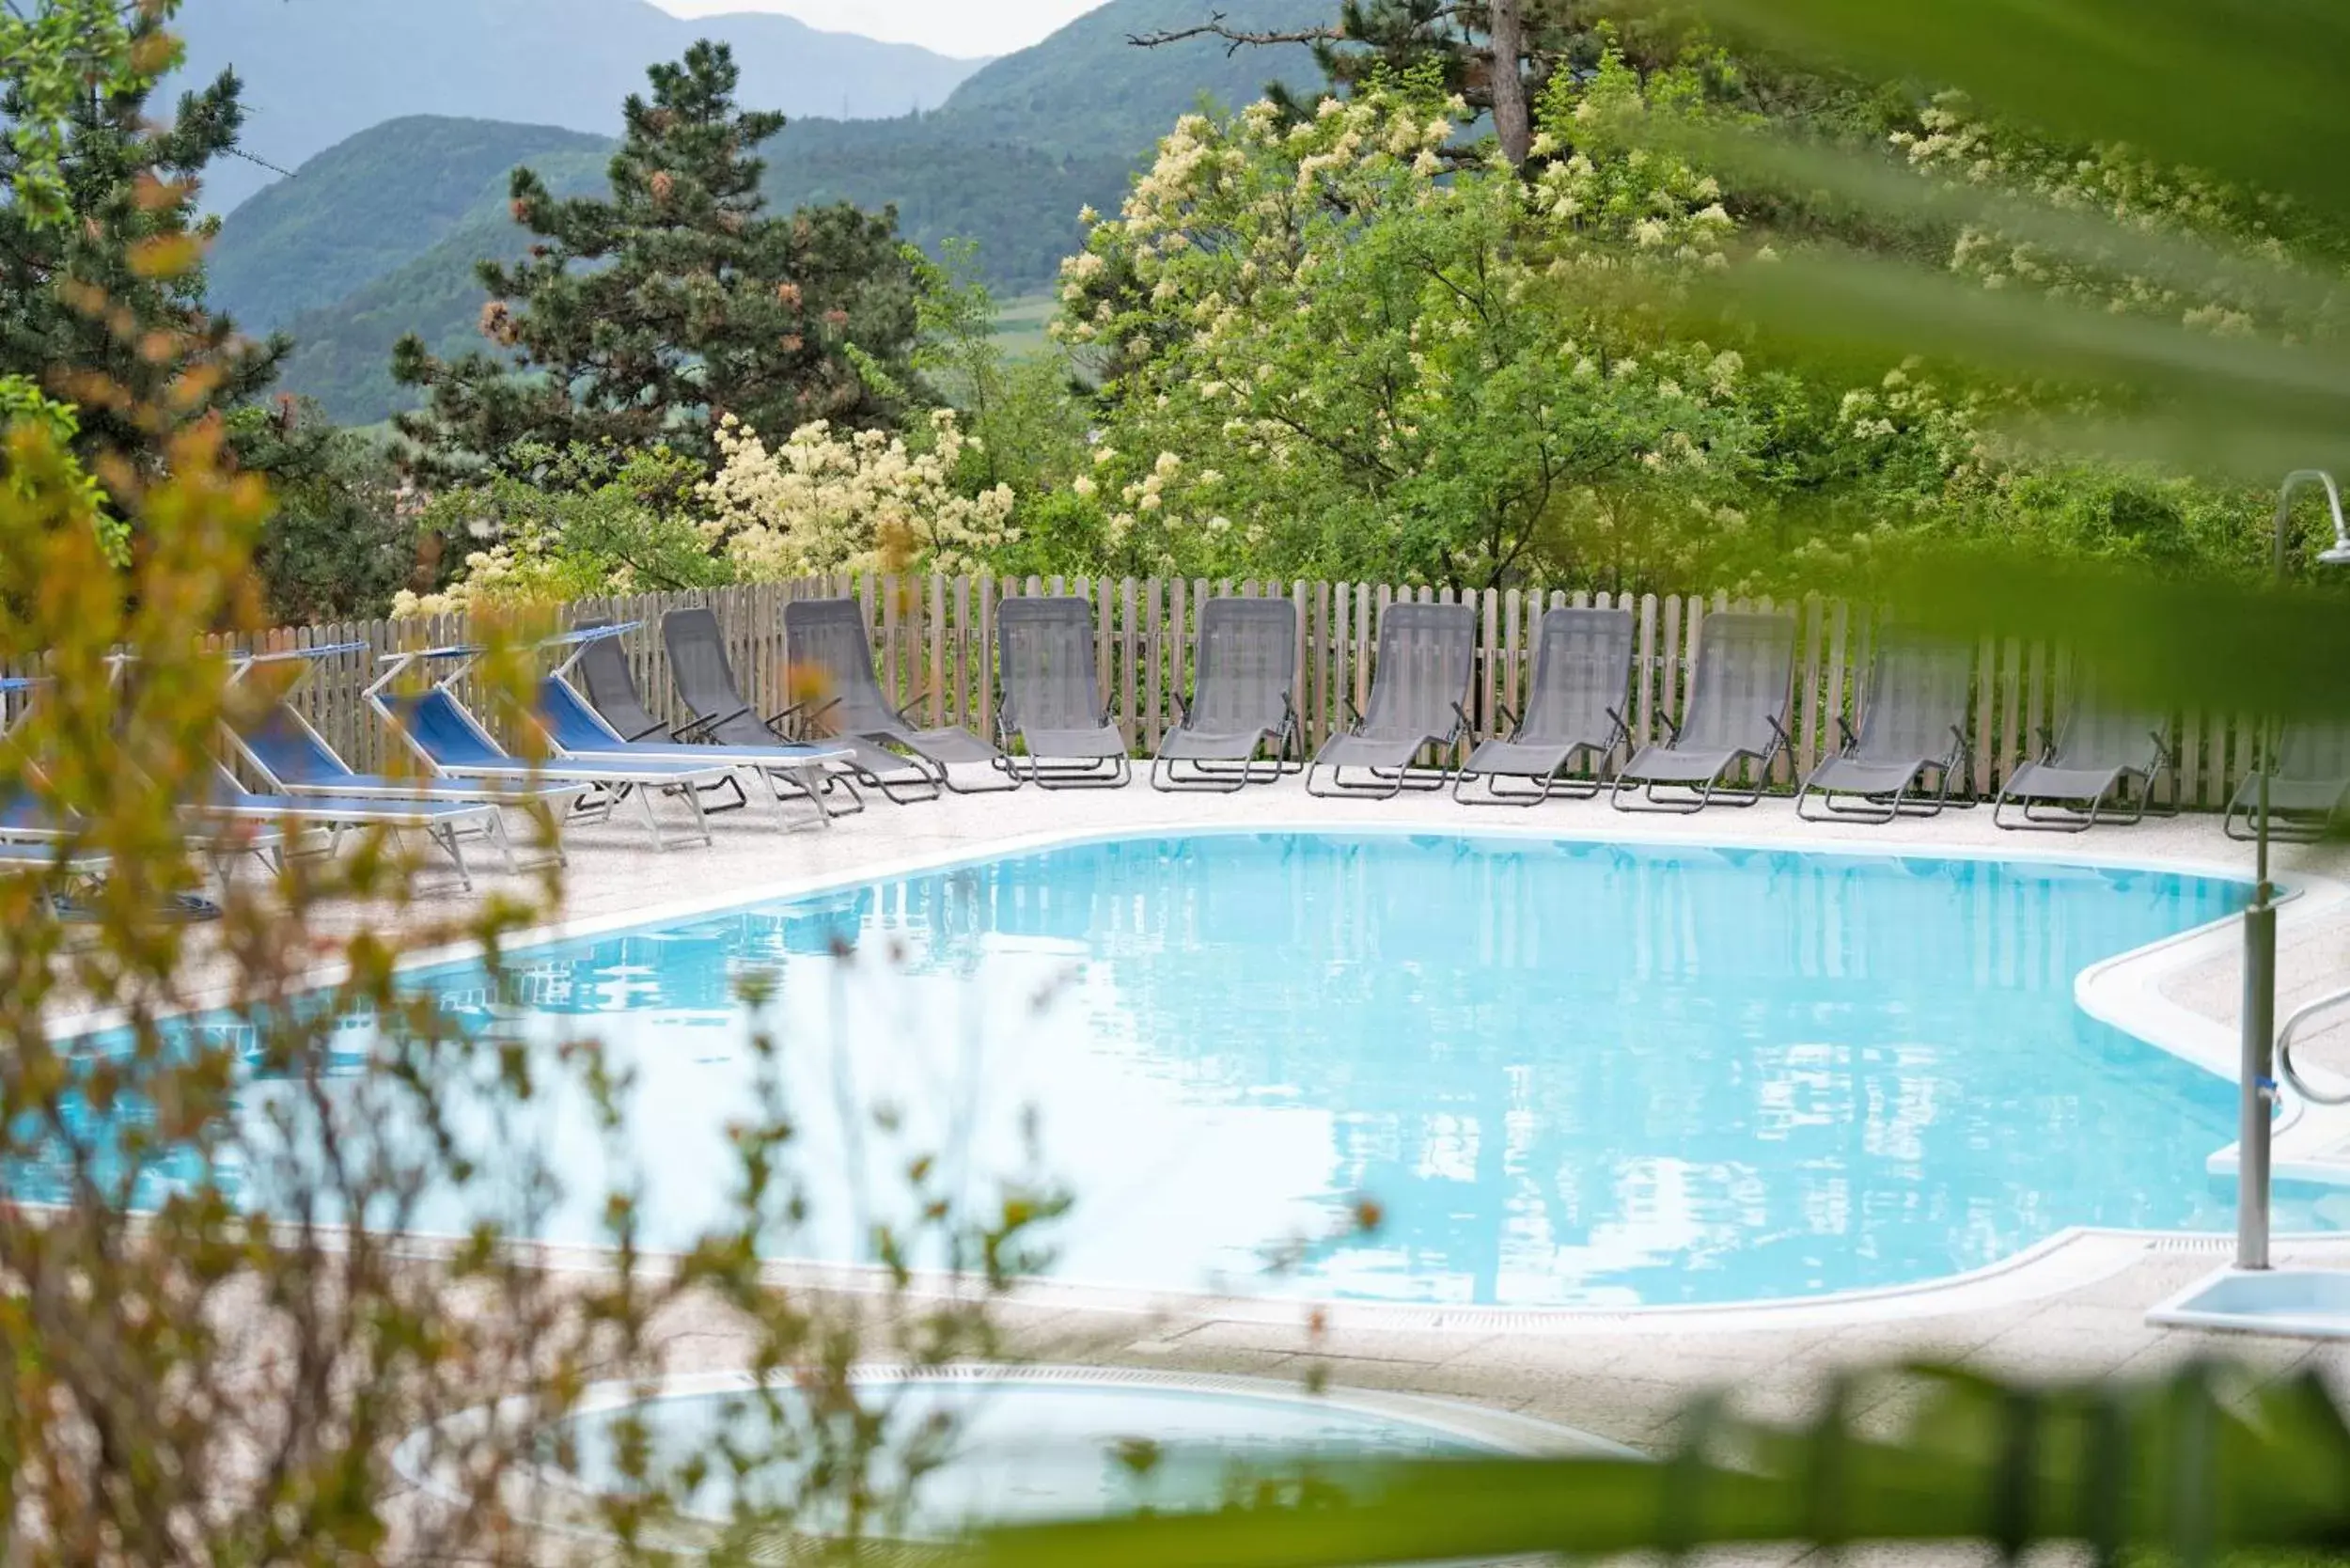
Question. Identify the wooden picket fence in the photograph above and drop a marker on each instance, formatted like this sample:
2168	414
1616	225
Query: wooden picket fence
934	644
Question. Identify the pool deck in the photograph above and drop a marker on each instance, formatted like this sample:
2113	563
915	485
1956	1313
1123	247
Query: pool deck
2076	1306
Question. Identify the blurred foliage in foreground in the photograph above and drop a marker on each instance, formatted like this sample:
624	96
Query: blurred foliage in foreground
223	1110
2204	1461
2221	350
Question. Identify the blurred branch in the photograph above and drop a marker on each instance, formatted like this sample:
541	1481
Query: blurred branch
1236	39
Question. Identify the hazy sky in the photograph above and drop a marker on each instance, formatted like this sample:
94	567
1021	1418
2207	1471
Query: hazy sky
950	26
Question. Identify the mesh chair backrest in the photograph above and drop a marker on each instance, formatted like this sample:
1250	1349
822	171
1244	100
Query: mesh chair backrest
1746	679
1247	665
2315	751
1582	668
832	663
440	731
571	722
2099	735
1045	658
1917	690
611	688
289	752
1425	655
698	662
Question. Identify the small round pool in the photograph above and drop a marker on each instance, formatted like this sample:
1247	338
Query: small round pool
1026	1444
1504	1072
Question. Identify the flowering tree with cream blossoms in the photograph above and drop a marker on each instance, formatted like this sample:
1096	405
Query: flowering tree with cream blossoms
1325	352
829	501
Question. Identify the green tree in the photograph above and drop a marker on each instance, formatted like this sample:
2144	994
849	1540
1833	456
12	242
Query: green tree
1027	417
342	538
547	526
49	55
1495	56
102	298
1324	353
648	316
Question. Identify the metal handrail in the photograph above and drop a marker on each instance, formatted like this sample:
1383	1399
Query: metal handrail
2339	553
2284	1050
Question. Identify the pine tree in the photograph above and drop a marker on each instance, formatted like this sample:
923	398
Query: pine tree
102	296
648	314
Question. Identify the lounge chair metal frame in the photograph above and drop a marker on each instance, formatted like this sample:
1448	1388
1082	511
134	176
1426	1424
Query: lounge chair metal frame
1240	763
1556	628
1440	628
1020	690
2078	810
610	691
601	787
1882	808
702	674
1636	791
323	771
792	772
221	852
1829	793
446	824
2312	799
882	736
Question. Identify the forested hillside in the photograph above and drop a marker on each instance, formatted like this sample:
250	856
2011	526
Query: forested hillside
378	236
1086	90
370	206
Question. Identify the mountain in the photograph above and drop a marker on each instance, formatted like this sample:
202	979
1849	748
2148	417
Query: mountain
318	71
1087	89
370	205
379	235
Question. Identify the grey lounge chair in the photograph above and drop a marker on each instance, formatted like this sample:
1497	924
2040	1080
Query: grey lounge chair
1050	696
1574	706
825	641
2095	760
1738	701
2308	785
619	720
1245	666
1427	653
1914	725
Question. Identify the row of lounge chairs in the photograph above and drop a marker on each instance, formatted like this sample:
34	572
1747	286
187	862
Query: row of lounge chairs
603	748
1909	755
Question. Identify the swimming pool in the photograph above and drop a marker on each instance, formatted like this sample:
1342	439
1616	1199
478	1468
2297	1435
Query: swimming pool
1028	1444
1565	1074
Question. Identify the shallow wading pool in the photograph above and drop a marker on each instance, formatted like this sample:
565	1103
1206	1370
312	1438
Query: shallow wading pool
1561	1073
1027	1444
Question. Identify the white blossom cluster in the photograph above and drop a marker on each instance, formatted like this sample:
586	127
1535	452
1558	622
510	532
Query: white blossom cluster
830	501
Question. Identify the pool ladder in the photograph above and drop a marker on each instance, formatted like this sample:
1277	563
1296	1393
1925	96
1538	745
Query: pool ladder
2288	1034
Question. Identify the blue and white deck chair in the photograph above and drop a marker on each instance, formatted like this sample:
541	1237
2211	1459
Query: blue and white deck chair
287	752
448	823
579	732
453	743
33	830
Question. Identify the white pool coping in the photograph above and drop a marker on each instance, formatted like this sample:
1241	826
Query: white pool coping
2125	992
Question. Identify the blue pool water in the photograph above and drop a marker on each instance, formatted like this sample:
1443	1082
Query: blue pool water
1565	1074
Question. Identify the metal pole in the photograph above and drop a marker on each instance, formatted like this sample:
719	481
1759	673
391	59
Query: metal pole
2256	1125
2259	1064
